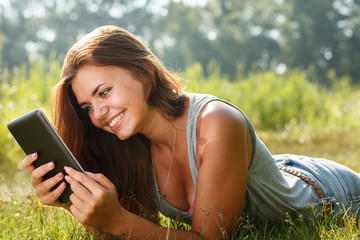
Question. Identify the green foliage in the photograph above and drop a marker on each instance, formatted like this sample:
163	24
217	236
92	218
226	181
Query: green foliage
260	34
279	102
325	228
22	90
288	102
287	110
26	218
23	217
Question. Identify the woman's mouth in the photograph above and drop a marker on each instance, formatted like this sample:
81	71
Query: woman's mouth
116	120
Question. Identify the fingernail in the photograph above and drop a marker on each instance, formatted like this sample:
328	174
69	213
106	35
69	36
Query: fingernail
67	178
51	164
67	169
63	185
60	175
34	155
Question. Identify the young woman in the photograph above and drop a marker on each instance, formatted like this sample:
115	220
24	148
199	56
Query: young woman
149	146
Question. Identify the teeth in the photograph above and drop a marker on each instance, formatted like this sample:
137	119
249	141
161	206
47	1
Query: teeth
115	120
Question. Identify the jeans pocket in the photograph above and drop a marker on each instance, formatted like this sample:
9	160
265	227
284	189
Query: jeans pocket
353	193
344	180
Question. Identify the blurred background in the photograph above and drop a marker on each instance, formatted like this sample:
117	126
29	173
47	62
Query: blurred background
292	66
242	36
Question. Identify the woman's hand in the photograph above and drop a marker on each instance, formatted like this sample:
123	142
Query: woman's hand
94	200
43	188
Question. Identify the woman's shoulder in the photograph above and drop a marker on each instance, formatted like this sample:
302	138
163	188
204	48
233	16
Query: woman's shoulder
223	130
221	114
216	118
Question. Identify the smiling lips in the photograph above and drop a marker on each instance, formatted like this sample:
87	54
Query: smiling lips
116	120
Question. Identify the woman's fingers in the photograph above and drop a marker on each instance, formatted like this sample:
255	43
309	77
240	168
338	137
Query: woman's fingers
79	188
50	197
94	198
28	161
102	180
44	187
38	173
90	188
82	178
76	212
90	180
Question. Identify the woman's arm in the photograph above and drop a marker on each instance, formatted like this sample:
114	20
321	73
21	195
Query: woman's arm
95	204
103	224
224	154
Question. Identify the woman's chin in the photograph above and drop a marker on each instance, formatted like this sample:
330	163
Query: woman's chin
123	136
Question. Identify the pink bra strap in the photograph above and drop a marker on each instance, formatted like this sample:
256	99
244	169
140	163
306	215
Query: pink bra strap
191	209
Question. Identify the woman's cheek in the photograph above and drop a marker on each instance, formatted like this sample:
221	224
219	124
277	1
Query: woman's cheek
96	123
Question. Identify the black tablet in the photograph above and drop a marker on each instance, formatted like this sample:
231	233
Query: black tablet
34	133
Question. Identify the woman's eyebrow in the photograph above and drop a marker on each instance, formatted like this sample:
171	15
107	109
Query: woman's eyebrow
96	89
93	93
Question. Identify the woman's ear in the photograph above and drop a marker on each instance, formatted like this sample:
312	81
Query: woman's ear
149	67
148	79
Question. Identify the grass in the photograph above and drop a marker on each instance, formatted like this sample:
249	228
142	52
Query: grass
290	114
24	217
342	146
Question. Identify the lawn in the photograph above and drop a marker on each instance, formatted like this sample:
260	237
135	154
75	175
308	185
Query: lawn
24	217
290	114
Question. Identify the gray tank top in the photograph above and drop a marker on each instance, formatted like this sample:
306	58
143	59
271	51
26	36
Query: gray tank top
270	193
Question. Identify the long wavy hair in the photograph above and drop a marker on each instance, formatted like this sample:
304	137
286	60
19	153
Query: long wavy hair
127	163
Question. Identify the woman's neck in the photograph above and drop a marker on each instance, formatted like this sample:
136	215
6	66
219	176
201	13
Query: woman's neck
161	131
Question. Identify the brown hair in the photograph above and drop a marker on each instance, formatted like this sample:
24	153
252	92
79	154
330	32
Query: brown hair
126	163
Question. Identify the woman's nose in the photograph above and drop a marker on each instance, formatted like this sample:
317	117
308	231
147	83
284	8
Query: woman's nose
100	112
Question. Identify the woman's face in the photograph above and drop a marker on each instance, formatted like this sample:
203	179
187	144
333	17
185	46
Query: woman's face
113	98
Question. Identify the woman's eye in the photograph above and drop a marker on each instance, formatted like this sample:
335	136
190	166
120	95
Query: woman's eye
105	92
88	108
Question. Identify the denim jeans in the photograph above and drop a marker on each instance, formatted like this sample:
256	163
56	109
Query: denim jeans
339	184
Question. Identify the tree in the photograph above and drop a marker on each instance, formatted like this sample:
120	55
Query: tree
316	35
244	34
180	41
320	36
40	27
14	34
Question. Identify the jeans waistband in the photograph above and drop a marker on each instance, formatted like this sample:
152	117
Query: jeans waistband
326	208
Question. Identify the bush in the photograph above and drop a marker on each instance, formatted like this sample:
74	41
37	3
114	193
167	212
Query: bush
288	102
22	90
279	102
